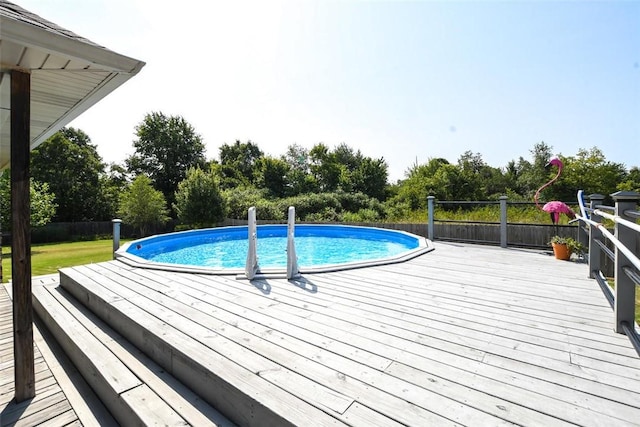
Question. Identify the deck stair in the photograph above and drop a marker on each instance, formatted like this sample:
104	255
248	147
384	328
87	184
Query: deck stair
134	389
144	369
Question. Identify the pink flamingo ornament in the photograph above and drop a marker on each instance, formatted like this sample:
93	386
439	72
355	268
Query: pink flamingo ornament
555	208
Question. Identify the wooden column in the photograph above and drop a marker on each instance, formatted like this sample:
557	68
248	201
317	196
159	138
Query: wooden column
21	237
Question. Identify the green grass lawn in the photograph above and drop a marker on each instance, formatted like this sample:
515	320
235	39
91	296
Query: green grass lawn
48	258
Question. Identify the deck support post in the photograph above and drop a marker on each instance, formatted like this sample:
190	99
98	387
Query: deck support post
503	221
21	236
625	288
430	215
595	235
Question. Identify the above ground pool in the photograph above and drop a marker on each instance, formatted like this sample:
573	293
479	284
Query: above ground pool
223	250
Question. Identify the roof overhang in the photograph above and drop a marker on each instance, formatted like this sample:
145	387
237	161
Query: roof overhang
69	73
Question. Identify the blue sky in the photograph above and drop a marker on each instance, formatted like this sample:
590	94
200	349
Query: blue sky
407	81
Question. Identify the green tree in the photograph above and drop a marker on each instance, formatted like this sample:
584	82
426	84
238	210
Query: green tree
631	181
470	166
43	206
199	201
448	183
165	148
324	168
143	206
299	178
494	183
429	179
348	170
532	176
370	177
348	161
272	176
588	170
511	174
480	181
42	202
72	168
239	163
113	184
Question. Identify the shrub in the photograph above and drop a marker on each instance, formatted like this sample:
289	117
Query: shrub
198	199
312	203
326	215
363	215
239	200
143	206
270	210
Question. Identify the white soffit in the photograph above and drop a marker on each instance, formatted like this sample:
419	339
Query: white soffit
69	73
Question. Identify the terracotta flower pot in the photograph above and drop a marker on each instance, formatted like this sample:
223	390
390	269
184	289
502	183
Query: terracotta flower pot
561	251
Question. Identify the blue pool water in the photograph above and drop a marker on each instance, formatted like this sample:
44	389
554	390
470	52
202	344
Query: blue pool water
316	245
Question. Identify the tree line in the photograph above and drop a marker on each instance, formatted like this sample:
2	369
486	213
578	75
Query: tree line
169	177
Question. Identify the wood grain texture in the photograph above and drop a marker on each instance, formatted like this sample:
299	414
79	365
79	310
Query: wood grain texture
464	335
49	407
21	236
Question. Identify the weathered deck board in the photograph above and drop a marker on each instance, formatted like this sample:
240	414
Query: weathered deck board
228	376
50	406
481	321
184	401
190	320
465	334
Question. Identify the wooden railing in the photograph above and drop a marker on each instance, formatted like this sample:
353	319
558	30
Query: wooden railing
626	243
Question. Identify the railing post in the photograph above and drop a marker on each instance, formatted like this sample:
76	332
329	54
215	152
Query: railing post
595	252
624	308
430	214
116	235
503	221
583	237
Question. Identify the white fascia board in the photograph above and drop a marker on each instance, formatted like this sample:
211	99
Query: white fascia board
33	36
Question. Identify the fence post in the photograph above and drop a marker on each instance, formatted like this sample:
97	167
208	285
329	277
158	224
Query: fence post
595	252
430	214
116	235
503	221
624	308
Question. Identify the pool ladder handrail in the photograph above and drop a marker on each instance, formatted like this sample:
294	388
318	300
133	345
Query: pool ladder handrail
252	267
292	258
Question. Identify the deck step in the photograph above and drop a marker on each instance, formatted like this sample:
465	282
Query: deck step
245	397
134	389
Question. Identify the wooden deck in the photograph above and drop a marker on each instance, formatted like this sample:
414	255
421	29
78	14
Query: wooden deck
50	404
62	397
464	335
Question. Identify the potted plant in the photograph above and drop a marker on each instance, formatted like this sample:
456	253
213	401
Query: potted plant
563	247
